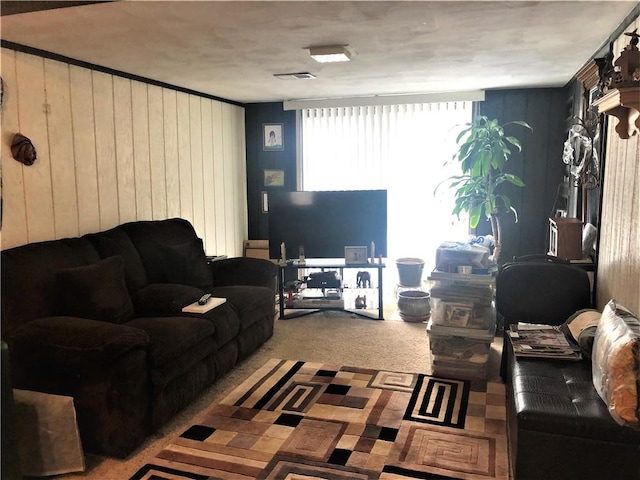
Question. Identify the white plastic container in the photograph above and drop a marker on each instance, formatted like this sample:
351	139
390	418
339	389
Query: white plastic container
460	352
462	306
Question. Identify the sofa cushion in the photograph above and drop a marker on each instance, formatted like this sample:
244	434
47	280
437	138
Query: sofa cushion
29	273
147	235
557	397
160	299
581	328
96	291
616	363
226	320
186	264
171	337
75	342
162	375
251	303
117	242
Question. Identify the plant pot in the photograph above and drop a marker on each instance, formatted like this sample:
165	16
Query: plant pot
414	305
410	271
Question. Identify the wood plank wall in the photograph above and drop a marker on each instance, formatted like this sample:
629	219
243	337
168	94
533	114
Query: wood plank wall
619	248
539	164
113	150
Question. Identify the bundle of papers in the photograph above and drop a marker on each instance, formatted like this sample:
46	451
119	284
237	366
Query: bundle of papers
542	341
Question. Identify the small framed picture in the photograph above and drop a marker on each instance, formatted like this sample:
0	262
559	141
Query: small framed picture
264	196
272	139
355	255
274	178
594	94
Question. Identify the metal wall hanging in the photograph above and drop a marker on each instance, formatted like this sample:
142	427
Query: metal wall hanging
581	154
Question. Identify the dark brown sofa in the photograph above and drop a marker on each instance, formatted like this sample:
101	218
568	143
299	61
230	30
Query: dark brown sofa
99	318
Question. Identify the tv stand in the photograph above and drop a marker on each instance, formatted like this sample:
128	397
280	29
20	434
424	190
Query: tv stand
332	296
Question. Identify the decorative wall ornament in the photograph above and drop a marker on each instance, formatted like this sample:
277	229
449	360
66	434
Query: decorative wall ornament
627	65
580	153
621	88
605	74
23	150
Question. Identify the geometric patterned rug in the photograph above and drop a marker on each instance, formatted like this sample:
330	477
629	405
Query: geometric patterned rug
303	420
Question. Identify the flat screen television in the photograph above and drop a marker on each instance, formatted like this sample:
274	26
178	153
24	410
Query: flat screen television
325	222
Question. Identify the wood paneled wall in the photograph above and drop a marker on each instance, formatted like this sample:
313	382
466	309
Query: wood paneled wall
539	164
619	248
113	150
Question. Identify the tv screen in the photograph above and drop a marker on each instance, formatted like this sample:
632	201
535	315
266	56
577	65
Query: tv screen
326	222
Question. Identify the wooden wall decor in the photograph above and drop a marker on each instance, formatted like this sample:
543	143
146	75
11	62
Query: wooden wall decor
23	150
622	98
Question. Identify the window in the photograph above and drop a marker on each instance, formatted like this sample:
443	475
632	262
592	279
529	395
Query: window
400	148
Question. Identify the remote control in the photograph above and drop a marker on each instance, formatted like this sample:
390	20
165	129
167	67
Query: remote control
204	299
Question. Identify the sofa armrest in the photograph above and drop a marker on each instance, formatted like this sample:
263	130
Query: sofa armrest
71	342
103	366
244	271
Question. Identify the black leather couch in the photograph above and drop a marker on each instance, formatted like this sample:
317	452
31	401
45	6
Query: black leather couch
99	318
558	426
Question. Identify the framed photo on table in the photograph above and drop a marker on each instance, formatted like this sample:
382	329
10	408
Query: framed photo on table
355	255
272	139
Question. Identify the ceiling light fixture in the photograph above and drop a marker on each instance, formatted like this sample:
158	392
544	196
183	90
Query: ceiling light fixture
295	76
328	54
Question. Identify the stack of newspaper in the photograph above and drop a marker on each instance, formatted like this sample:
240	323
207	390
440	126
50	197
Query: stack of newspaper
542	341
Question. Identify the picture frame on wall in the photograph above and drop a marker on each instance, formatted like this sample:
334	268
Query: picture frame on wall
272	137
273	178
355	255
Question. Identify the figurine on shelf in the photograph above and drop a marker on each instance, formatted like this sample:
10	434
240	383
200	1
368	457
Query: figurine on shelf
363	279
635	38
290	298
361	302
627	66
605	74
283	254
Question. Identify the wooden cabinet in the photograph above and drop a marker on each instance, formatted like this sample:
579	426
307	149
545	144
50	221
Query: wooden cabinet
565	237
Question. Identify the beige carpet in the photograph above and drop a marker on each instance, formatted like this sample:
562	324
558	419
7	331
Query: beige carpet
330	337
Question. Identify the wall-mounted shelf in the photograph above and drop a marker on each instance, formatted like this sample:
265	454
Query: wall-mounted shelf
624	104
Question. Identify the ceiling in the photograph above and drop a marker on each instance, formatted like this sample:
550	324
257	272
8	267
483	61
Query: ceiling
233	49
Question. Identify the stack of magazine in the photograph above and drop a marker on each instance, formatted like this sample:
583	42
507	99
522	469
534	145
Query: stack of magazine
542	341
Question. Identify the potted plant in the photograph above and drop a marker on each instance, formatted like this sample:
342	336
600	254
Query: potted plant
483	151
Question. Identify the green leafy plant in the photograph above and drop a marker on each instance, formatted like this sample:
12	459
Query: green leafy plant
483	151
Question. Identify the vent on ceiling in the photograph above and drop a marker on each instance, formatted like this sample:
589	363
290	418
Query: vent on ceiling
295	76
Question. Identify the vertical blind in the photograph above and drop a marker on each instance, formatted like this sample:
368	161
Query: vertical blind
401	148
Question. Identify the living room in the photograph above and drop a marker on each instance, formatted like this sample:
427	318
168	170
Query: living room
109	152
143	190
